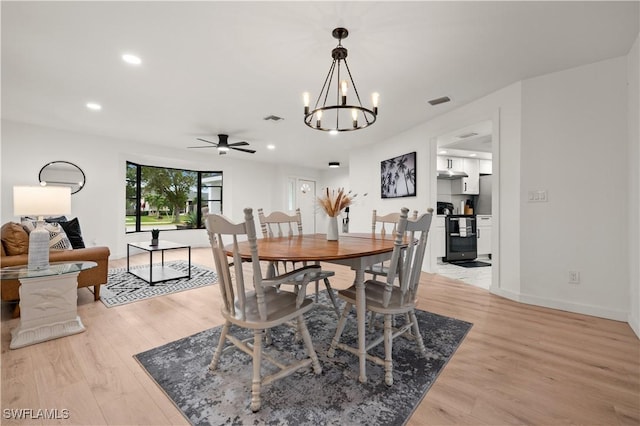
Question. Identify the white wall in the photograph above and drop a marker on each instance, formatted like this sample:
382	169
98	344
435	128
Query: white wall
565	132
100	205
574	144
633	76
503	108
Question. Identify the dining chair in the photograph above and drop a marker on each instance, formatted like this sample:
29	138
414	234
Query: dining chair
389	299
259	309
380	224
280	224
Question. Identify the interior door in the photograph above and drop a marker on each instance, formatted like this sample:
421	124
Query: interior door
306	202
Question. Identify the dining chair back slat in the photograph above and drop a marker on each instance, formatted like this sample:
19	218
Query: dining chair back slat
380	223
272	225
408	255
379	226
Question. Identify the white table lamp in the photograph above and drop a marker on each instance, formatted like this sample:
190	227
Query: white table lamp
40	201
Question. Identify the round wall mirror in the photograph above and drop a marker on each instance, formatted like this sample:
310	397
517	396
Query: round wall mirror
62	173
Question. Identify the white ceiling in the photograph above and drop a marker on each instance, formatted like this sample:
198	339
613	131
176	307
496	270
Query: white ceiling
475	138
221	67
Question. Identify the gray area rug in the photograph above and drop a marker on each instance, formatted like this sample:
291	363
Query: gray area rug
335	397
123	287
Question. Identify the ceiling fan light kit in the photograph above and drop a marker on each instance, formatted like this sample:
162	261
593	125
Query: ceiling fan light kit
340	117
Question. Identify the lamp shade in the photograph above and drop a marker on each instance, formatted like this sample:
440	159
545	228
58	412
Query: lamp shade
41	200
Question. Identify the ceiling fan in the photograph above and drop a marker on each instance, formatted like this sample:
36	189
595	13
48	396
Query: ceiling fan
223	145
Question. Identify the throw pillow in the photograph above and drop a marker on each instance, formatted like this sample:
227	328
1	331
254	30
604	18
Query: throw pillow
15	239
58	239
71	228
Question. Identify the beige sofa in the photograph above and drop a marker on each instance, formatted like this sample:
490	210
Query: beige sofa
15	248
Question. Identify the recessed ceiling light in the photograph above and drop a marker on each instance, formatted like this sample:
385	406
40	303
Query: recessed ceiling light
333	132
472	155
94	106
271	147
444	151
334	164
131	59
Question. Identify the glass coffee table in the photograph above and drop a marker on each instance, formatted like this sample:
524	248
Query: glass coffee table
48	301
154	274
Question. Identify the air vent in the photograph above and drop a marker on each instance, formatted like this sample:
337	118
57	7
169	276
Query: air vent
439	100
467	135
273	118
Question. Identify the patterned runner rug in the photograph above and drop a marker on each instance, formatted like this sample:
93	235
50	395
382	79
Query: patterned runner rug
123	287
335	397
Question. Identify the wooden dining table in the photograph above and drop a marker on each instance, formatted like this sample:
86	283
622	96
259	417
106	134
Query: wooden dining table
358	251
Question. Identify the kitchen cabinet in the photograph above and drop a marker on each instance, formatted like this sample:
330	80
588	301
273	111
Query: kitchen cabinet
437	236
483	232
486	167
469	185
450	163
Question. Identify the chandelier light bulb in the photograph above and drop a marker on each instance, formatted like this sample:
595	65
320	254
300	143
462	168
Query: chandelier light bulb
319	119
343	89
354	116
375	98
305	98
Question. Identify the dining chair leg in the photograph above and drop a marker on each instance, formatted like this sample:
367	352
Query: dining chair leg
257	358
339	330
416	334
407	320
388	348
216	355
306	337
372	320
332	296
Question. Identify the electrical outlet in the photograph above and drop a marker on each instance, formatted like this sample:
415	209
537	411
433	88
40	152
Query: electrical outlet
574	277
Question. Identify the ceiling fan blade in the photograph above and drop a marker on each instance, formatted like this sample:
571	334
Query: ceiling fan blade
204	140
243	143
250	151
201	147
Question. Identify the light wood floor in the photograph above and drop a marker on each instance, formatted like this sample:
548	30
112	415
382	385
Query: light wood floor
519	364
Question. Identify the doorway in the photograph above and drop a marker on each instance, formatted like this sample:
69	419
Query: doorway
466	185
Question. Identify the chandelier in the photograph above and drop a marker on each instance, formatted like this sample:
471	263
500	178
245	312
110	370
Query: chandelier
341	117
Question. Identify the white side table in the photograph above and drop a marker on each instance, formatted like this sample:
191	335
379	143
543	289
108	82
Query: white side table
48	302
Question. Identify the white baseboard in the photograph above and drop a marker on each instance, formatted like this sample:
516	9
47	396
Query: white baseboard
634	323
562	305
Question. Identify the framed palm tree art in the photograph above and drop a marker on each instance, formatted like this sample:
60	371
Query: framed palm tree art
398	176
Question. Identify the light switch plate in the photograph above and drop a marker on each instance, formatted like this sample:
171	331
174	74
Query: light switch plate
538	196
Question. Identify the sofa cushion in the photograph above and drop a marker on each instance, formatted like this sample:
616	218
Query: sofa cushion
15	239
72	229
58	239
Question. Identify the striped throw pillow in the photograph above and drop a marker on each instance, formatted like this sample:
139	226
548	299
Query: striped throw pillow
58	239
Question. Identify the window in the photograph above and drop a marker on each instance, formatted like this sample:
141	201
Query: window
166	198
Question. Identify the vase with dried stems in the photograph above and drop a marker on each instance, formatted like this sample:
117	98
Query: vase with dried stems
333	202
